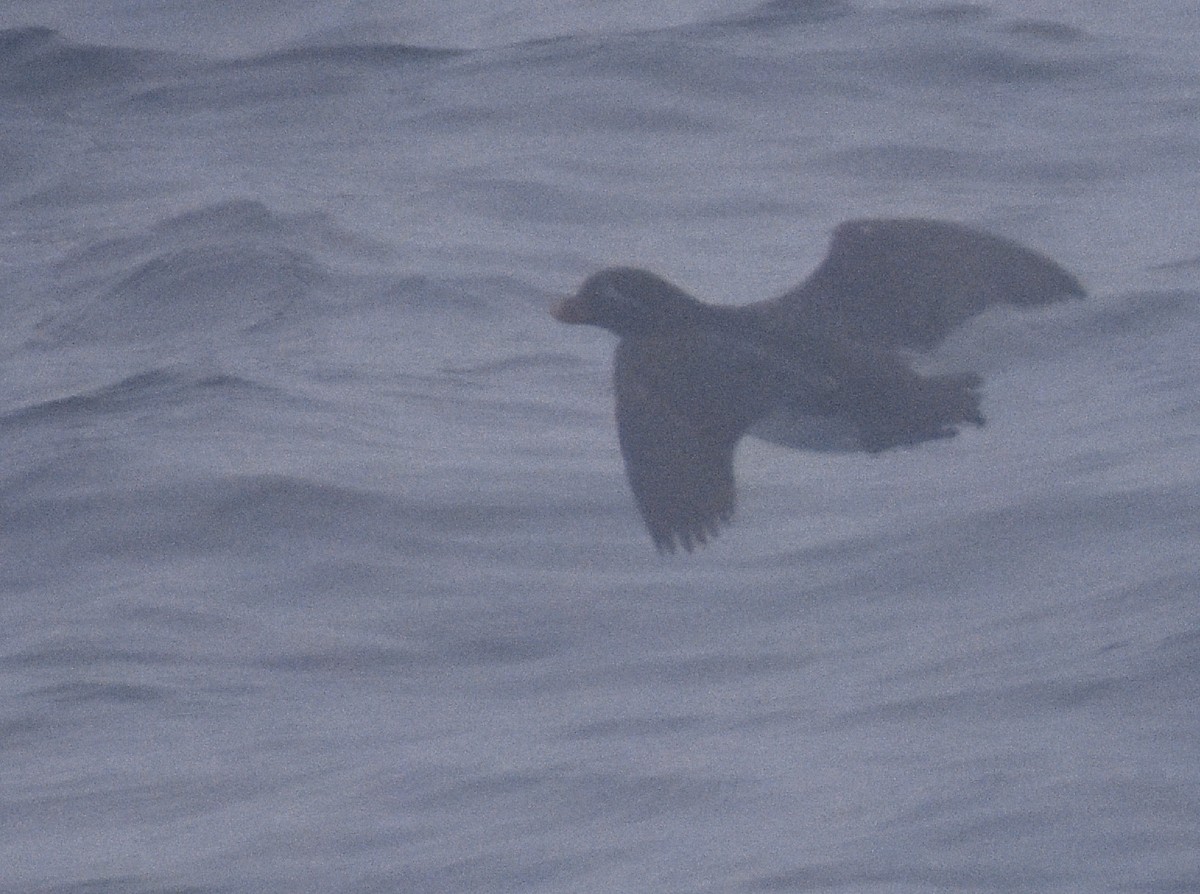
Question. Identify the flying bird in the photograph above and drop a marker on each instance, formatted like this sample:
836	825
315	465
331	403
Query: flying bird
823	366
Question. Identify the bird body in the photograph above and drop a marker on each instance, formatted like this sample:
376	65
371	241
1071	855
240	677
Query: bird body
823	366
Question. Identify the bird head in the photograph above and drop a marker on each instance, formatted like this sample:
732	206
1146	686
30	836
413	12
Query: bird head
628	301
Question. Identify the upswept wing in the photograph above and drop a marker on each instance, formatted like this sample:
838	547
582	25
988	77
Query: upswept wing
909	282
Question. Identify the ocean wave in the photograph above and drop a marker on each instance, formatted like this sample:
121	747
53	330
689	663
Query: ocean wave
916	162
247	514
296	74
189	290
37	63
152	391
229	222
774	13
372	55
230	266
1140	323
966	61
539	361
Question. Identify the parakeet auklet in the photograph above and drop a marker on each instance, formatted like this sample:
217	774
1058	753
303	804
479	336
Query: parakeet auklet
821	366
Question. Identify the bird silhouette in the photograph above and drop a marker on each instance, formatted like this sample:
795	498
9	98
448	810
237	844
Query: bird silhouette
824	366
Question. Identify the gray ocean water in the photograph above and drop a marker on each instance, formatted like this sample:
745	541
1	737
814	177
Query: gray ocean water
318	570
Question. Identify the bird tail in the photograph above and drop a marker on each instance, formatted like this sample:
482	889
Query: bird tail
934	407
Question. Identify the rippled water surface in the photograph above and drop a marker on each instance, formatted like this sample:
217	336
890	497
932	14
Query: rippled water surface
317	563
